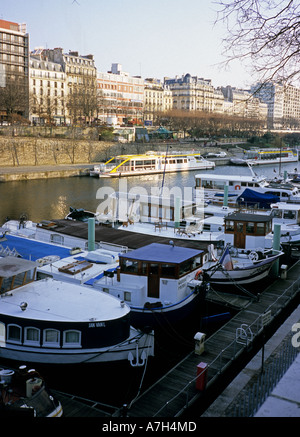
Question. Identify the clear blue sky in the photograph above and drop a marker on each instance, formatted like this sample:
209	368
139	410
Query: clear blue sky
154	38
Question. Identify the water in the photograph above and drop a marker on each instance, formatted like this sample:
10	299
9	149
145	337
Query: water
48	199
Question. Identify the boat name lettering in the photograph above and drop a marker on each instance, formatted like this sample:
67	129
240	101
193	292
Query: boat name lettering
97	325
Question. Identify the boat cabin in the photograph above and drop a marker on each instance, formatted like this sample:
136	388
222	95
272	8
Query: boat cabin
285	213
157	272
245	230
15	272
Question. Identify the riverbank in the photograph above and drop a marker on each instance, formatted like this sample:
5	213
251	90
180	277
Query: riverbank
23	173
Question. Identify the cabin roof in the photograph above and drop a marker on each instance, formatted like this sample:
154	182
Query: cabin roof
166	253
11	265
247	217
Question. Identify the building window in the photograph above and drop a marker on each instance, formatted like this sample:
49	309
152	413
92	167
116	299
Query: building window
51	338
72	339
14	333
32	336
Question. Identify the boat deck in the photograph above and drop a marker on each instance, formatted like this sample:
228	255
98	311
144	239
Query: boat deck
132	240
225	354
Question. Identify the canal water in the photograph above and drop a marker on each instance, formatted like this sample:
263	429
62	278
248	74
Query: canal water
48	199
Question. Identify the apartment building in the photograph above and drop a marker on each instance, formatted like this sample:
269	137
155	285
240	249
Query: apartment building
120	97
191	93
157	99
47	90
272	94
14	74
81	83
241	103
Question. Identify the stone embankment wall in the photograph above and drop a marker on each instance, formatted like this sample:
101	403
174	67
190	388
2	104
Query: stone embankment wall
22	151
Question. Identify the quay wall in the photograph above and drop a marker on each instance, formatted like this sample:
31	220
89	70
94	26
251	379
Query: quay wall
22	151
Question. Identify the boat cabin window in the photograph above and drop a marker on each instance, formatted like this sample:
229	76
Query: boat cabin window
164	270
71	338
168	270
277	213
289	215
14	333
260	229
15	281
129	266
51	337
32	336
229	225
250	228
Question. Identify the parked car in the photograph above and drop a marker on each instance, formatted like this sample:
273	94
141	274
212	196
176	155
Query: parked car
215	155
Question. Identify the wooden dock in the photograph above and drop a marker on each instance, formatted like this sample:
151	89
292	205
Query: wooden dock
225	354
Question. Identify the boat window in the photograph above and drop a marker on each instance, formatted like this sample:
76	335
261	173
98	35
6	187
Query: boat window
32	336
129	266
168	270
244	184
72	338
250	228
277	213
283	194
229	226
51	337
185	267
6	284
196	262
260	229
127	296
2	334
144	268
14	333
289	215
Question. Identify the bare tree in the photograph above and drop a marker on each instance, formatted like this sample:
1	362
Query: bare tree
266	32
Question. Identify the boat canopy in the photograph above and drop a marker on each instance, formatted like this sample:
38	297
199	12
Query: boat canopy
262	200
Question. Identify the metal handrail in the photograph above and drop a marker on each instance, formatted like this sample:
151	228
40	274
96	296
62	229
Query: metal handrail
258	322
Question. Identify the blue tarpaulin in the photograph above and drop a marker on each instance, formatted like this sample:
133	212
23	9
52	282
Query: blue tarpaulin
33	250
251	198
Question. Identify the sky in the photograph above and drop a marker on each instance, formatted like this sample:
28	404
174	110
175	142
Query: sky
150	38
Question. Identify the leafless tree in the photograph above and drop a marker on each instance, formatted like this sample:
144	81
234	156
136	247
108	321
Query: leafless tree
266	32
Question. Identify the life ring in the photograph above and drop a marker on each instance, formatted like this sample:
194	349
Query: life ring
253	255
237	187
198	274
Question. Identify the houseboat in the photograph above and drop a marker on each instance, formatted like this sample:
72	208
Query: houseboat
245	259
59	322
284	155
158	282
151	163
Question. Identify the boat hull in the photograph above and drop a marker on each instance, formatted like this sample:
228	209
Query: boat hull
141	173
242	276
135	345
157	317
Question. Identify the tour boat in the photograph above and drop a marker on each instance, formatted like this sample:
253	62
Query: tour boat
245	259
23	392
59	322
158	282
151	163
284	155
